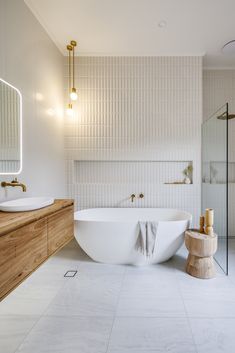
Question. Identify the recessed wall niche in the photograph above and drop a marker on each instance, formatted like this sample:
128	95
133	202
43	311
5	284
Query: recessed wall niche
110	184
129	172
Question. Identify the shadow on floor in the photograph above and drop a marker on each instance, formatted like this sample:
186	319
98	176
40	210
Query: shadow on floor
178	262
74	252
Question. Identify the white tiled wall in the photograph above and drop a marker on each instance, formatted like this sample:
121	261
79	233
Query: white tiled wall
218	89
135	109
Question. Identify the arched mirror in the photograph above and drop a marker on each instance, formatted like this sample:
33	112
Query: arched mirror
10	129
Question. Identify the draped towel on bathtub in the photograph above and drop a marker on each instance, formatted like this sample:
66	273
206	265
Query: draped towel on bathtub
146	239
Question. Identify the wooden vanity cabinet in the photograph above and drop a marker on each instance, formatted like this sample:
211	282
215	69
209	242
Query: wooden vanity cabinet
60	228
24	249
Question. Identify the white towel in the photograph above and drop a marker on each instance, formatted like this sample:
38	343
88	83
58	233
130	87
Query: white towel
146	239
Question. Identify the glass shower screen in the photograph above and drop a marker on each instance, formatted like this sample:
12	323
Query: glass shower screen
215	178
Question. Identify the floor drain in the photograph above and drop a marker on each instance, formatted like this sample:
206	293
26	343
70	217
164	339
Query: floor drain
70	273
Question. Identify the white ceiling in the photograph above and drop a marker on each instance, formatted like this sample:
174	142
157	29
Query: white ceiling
130	27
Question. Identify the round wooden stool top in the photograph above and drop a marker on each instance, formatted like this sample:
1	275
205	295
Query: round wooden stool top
199	244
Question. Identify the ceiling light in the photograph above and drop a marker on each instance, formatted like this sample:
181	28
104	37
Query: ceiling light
229	48
162	24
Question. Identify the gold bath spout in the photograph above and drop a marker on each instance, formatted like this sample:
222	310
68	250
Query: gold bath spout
14	183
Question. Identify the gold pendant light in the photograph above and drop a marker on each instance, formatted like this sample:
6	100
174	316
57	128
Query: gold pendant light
69	110
73	92
71	81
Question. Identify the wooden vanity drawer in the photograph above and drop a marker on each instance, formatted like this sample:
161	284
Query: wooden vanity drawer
31	245
7	248
60	228
27	248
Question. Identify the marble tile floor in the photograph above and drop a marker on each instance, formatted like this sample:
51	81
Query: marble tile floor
119	309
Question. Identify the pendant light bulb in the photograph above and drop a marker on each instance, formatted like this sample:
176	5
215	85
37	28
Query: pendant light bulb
73	94
69	110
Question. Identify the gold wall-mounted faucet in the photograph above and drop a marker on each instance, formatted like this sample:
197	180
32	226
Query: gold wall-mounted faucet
132	197
14	183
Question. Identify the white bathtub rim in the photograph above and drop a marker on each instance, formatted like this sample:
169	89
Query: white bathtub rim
188	216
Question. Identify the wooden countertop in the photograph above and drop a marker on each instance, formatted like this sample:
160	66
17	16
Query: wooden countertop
10	221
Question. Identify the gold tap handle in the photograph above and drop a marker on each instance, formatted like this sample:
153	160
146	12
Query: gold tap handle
132	197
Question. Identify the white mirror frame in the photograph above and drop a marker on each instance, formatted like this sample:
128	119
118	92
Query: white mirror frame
21	130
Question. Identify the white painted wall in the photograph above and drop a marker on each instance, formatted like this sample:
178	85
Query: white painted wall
30	61
145	109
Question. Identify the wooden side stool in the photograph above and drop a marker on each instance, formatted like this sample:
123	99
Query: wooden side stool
201	248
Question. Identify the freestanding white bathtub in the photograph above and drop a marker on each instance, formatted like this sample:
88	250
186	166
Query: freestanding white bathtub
109	235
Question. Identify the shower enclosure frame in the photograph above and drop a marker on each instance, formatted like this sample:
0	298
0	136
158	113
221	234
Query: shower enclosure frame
224	265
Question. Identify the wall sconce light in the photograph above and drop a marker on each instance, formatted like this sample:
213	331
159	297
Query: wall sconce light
69	110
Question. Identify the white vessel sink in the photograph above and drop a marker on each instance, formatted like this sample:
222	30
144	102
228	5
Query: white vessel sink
26	204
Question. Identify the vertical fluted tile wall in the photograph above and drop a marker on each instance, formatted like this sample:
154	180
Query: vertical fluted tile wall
145	109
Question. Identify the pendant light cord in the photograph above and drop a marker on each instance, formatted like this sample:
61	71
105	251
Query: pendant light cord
69	71
69	48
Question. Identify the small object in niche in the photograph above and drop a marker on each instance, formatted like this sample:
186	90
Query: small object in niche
209	221
214	173
206	179
187	180
202	222
188	174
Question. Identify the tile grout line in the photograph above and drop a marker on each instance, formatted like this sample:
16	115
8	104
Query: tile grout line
114	316
187	317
